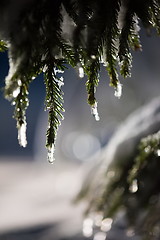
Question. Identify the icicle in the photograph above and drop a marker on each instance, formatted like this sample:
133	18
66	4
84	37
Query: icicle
94	112
118	90
158	152
134	186
81	72
103	60
22	135
106	224
16	92
50	156
19	83
13	103
88	227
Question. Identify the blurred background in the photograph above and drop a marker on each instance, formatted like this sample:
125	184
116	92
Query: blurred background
36	199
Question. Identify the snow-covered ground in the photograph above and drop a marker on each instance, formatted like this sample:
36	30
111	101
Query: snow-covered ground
34	194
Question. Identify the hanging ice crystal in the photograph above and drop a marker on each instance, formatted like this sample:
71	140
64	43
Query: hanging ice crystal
13	103
158	152
88	227
50	156
16	92
134	186
81	72
103	60
106	224
22	134
118	90
94	112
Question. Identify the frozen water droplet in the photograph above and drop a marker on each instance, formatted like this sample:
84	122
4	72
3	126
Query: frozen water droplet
81	72
118	91
87	227
93	57
50	156
134	186
19	82
22	135
13	103
94	112
100	236
158	152
33	78
16	92
106	224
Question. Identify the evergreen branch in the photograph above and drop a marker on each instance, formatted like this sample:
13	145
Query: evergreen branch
92	72
68	54
17	91
21	103
155	13
112	33
96	35
124	45
148	147
142	10
132	188
53	102
111	62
